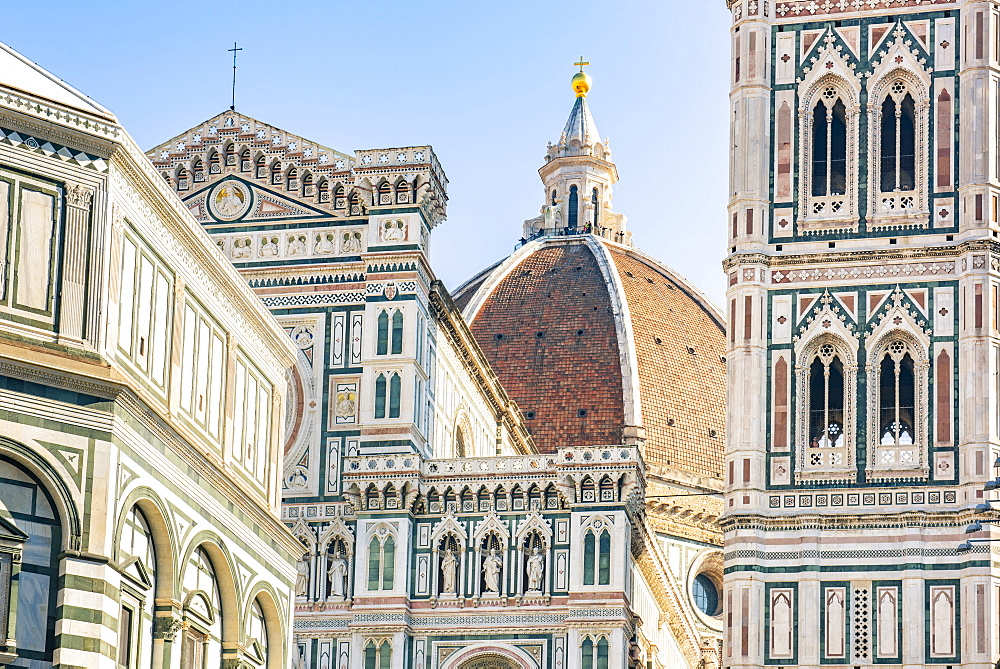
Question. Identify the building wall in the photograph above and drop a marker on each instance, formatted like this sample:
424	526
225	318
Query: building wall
842	522
111	480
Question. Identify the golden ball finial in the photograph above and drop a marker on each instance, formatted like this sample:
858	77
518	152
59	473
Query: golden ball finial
581	83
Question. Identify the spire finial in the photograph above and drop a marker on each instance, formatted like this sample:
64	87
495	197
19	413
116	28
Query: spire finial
581	81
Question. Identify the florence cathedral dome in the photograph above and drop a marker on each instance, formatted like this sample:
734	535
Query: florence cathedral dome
598	342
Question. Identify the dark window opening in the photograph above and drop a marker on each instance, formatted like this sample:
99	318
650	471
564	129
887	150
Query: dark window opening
898	140
829	146
896	397
826	400
574	207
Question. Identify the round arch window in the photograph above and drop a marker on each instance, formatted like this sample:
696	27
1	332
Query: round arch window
706	595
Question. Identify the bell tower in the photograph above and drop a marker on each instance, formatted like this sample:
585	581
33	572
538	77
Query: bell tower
864	356
578	177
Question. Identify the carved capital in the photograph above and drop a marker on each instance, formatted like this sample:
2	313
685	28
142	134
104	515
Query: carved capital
78	196
166	628
234	663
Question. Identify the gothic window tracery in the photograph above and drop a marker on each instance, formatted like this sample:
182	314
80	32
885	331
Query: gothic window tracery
898	136
389	339
829	130
829	146
388	391
897	380
597	556
826	399
898	127
826	385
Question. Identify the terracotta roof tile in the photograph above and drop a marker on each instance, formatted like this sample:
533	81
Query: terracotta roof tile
548	332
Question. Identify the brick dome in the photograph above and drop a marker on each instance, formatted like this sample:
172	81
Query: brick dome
600	344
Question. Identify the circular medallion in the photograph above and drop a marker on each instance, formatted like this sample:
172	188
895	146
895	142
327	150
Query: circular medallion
230	200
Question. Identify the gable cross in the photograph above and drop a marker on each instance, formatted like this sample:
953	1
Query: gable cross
234	50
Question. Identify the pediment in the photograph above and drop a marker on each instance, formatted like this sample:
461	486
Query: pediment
233	200
136	570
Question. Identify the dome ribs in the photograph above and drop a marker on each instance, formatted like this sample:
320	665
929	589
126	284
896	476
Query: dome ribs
570	381
682	392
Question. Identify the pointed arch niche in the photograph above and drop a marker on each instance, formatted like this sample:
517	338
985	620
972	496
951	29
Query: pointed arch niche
897	373
829	118
826	372
898	122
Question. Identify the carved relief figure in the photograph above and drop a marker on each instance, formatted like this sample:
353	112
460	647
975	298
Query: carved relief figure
393	231
536	570
351	243
346	406
324	244
491	572
241	248
449	569
268	246
229	202
296	245
337	574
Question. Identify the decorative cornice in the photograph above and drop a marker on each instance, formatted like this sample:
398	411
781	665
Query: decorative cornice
854	521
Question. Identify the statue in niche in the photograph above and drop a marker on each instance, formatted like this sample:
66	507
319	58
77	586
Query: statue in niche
324	244
352	243
449	570
491	572
536	571
302	577
337	574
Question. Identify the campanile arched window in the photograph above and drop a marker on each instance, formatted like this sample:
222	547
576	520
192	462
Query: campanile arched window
826	374
829	145
826	399
898	141
896	397
897	381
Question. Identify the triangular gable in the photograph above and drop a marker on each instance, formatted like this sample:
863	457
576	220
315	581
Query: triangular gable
136	570
19	73
493	523
900	56
827	315
246	131
254	202
899	310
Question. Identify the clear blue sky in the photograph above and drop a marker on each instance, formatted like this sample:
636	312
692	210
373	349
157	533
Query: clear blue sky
485	83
